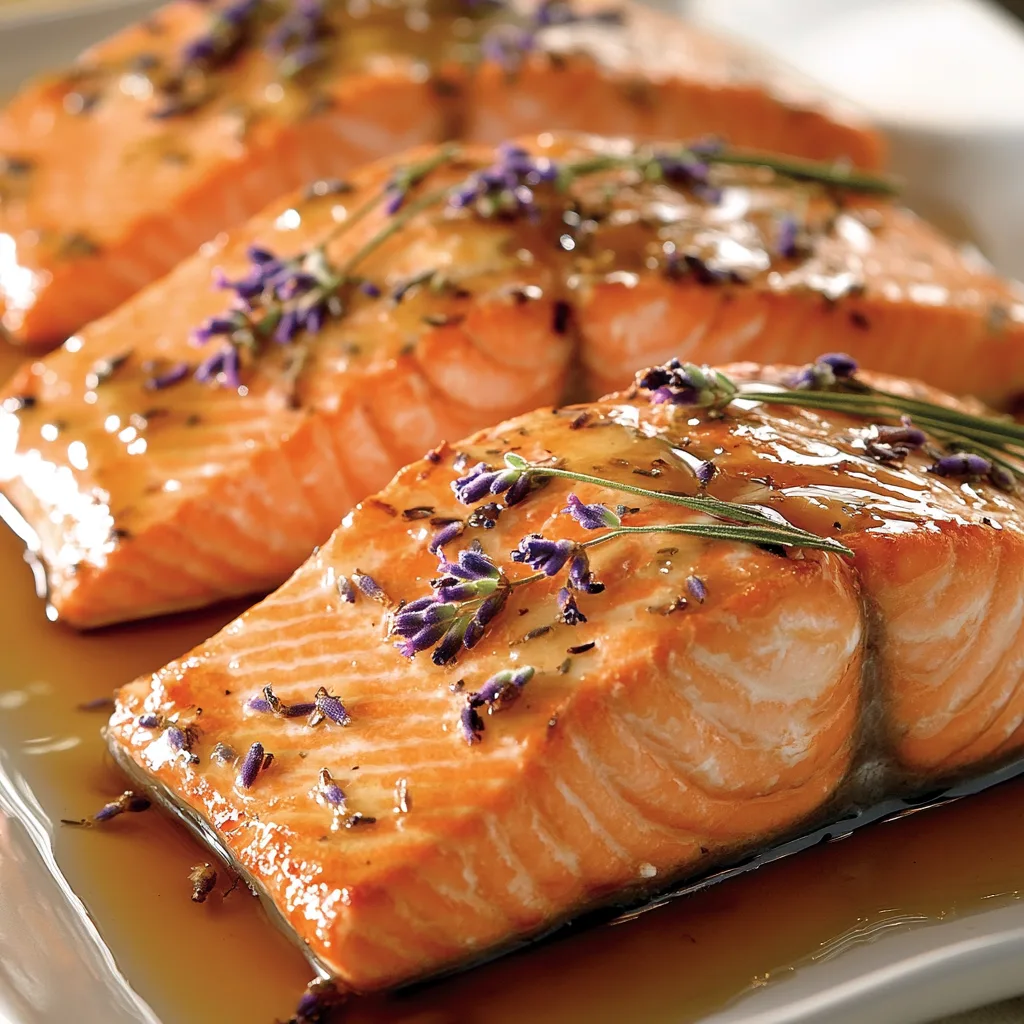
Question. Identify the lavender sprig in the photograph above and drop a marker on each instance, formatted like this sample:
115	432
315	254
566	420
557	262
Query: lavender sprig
269	703
732	512
831	383
467	596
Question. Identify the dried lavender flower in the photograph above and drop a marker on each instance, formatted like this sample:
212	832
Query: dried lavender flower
501	690
705	472
327	706
250	767
571	614
128	801
471	724
370	587
697	588
345	590
445	535
962	464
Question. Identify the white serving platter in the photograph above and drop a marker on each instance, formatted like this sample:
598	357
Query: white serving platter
55	967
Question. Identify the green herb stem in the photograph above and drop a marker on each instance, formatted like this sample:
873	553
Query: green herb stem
714	507
768	534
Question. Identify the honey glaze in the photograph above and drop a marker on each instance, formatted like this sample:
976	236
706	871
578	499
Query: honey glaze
224	961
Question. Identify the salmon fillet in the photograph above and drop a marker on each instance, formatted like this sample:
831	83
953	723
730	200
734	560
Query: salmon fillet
679	698
194	119
149	499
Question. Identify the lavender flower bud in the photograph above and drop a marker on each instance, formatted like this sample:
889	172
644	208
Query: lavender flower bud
445	535
174	374
502	689
128	801
698	591
250	767
580	576
571	614
590	517
907	435
826	371
962	464
678	383
369	586
547	556
330	792
471	724
705	472
331	707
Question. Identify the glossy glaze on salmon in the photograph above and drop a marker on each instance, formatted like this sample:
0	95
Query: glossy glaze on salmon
195	118
150	499
710	697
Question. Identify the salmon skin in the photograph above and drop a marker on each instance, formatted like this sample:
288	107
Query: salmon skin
628	713
194	119
152	491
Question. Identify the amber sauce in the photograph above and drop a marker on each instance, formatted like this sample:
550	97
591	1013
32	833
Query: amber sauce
225	962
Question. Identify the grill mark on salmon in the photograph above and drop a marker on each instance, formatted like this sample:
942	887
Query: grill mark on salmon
232	491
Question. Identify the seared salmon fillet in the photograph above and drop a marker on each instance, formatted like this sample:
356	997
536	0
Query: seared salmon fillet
195	118
163	474
481	724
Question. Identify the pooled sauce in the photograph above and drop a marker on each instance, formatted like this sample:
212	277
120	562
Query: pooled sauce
224	961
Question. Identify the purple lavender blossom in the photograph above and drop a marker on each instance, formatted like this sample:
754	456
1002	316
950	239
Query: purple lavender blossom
697	588
571	614
705	472
580	576
330	707
128	801
369	586
679	383
506	188
250	767
825	372
547	556
786	241
223	364
471	724
590	517
330	792
502	689
172	375
468	594
962	464
445	535
906	434
506	45
482	481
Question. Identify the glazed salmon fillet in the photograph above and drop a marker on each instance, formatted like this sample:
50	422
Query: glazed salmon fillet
163	474
195	118
483	723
